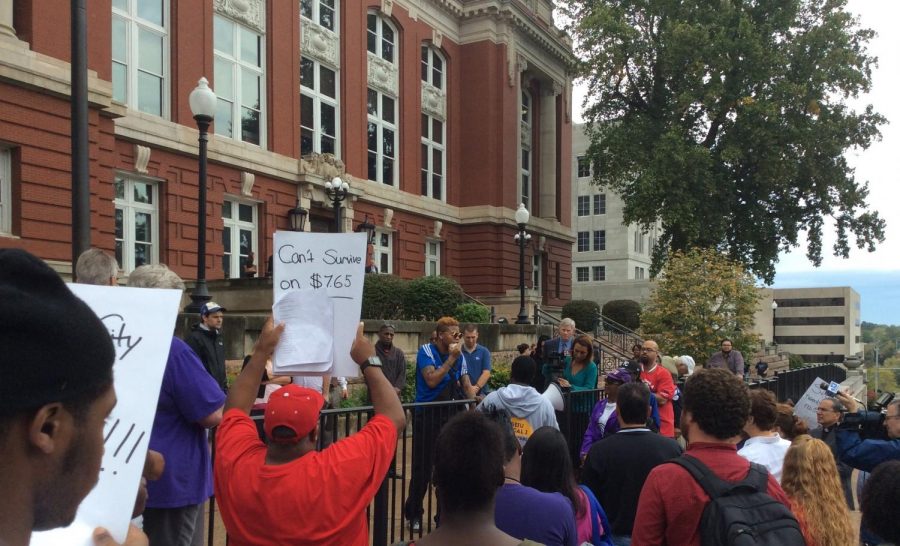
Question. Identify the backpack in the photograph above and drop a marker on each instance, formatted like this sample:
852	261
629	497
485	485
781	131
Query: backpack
742	513
598	537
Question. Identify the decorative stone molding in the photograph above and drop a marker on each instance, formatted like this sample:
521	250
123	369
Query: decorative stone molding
388	217
511	66
434	101
542	243
438	225
247	180
326	166
382	75
525	131
387	7
141	158
551	89
413	10
319	43
249	12
437	38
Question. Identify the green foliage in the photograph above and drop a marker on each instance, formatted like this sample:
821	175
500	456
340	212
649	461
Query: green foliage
702	297
625	312
500	374
383	297
357	397
430	298
472	312
884	337
583	312
882	379
408	395
729	122
795	361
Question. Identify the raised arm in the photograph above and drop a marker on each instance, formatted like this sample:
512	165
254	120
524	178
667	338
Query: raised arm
243	393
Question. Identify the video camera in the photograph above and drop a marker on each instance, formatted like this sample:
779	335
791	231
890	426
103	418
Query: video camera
869	424
556	364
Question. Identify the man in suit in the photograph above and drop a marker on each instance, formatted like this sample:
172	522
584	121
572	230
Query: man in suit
828	415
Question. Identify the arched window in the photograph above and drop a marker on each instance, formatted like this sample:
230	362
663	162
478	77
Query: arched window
381	38
382	100
319	79
525	152
434	124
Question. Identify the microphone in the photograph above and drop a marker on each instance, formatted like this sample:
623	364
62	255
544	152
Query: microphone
834	391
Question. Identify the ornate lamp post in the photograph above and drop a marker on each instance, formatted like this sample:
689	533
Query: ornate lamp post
522	238
367	227
203	106
337	190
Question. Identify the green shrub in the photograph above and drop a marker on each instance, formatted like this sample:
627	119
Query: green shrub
625	312
583	312
383	297
430	298
472	312
499	374
357	397
796	361
408	395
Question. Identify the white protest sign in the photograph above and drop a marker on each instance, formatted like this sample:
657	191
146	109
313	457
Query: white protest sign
805	408
334	262
140	322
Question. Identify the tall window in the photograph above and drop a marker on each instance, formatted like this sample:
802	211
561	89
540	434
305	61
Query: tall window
140	44
584	167
599	272
525	173
382	139
434	156
638	273
137	222
582	274
239	235
536	272
381	38
639	242
323	12
5	190
599	240
239	81
584	205
600	203
382	251
584	244
432	258
318	108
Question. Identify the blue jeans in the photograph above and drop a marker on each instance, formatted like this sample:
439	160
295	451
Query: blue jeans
621	540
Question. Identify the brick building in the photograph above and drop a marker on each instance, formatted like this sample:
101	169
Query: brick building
442	115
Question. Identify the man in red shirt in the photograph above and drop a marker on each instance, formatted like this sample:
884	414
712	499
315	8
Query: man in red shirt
661	385
716	406
273	495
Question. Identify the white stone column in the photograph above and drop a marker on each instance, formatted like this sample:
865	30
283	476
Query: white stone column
6	19
547	181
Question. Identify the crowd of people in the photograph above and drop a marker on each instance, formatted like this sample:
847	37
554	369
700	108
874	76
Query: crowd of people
733	461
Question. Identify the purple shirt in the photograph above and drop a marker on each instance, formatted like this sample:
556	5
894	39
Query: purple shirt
188	394
526	513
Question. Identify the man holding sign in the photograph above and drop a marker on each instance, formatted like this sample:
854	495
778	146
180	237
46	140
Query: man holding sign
54	399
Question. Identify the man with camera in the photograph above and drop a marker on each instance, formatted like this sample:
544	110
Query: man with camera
866	454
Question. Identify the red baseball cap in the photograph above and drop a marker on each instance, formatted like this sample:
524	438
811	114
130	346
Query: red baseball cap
294	407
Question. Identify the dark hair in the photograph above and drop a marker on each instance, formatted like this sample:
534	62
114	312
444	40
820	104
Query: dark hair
522	369
539	346
470	445
470	328
510	442
585	341
791	426
385	326
836	405
637	346
547	466
718	402
632	403
880	499
726	339
522	347
763	409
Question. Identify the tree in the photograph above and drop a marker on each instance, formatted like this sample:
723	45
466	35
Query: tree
625	312
701	298
727	121
585	313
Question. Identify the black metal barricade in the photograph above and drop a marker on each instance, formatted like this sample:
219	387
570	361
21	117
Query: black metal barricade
791	384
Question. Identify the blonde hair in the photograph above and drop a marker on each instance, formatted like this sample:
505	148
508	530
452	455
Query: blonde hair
810	479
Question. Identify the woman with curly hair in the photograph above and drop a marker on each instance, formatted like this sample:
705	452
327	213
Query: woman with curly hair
810	479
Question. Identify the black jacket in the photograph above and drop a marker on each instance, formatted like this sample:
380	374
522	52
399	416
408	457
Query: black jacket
210	349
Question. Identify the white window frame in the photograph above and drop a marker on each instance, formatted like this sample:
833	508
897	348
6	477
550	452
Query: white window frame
129	208
583	207
599	204
133	26
526	101
430	53
237	66
428	148
235	225
586	236
598	240
582	274
319	99
432	258
378	34
598	273
5	190
316	7
381	253
582	161
380	125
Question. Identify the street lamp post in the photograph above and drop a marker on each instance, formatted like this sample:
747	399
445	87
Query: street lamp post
337	190
774	307
203	106
522	238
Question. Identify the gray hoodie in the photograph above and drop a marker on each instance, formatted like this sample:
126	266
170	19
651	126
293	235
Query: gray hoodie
527	409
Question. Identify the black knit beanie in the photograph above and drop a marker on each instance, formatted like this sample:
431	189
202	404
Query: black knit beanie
53	348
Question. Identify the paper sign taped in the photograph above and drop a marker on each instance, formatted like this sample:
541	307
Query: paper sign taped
805	408
140	322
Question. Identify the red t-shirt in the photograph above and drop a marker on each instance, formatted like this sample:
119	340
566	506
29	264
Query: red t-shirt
660	382
672	502
320	498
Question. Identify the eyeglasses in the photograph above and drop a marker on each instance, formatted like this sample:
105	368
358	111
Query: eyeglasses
647	350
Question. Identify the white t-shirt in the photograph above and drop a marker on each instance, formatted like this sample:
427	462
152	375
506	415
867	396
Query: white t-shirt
604	417
768	451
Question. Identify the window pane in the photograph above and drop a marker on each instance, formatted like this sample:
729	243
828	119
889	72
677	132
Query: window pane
150	10
387	33
246	242
250	125
327	144
437	131
373	138
384	264
119	253
245	212
437	78
327	83
387	137
306	141
226	209
250	84
387	106
223	35
224	122
328	121
307	73
371	37
226	239
120	225
119	39
224	79
425	126
387	167
142	223
306	8
122	5
372	102
438	63
141	254
120	82
387	50
226	265
326	15
371	22
143	193
251	52
307	111
149	93
424	180
436	186
437	161
119	188
373	166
